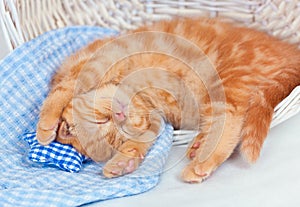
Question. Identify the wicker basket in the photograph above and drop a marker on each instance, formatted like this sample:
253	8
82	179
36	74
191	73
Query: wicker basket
22	20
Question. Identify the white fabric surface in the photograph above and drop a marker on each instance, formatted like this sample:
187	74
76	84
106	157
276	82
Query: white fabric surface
274	181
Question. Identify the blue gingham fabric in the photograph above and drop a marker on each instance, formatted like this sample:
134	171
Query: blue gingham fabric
63	156
24	78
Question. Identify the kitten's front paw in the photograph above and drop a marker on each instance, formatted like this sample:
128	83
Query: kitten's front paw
120	164
46	131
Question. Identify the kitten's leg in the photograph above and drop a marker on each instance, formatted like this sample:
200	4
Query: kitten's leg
256	126
51	111
63	90
217	144
206	123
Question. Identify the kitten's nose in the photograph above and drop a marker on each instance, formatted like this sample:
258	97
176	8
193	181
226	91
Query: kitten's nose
120	116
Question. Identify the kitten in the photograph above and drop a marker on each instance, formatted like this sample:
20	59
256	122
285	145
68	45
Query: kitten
109	99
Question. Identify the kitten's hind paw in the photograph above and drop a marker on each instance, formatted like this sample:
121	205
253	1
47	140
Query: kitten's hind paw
195	173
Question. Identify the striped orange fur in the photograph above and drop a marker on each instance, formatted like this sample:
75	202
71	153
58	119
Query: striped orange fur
109	99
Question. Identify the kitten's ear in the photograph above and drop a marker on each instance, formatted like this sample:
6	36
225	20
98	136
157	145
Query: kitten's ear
64	135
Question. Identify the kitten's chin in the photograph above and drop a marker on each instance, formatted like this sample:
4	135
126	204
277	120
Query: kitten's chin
129	132
99	150
100	153
74	142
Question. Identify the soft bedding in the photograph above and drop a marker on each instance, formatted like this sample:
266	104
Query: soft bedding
24	78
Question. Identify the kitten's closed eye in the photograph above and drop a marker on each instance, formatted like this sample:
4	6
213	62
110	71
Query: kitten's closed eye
103	120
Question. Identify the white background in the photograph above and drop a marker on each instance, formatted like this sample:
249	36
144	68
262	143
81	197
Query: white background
4	46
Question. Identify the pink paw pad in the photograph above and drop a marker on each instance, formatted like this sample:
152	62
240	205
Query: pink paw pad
195	146
130	167
125	167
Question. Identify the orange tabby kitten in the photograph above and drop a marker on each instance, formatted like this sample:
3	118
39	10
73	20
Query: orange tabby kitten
109	99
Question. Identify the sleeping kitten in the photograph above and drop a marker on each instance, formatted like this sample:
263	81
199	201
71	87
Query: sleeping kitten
109	99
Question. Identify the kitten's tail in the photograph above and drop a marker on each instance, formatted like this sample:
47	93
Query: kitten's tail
255	129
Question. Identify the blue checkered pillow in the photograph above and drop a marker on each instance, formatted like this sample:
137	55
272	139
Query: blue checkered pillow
60	155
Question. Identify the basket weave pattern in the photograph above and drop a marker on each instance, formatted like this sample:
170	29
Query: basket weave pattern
23	20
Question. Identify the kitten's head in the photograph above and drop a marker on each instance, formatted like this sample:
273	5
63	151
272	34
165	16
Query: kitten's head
97	122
